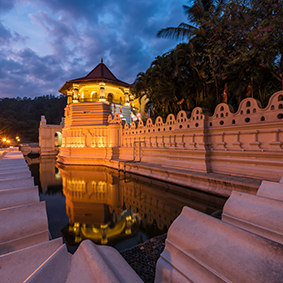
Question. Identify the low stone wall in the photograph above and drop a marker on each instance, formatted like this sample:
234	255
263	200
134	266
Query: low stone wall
246	143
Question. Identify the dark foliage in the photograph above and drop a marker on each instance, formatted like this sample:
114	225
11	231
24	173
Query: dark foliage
21	116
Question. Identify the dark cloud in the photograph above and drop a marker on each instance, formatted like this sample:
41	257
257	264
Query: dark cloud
77	35
6	5
5	35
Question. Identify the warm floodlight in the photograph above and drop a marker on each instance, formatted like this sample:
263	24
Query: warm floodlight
8	141
4	139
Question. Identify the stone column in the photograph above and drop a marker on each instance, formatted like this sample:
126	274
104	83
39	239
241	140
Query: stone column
102	92
126	92
69	97
75	92
132	101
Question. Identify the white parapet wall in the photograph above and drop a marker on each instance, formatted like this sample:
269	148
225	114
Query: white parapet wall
271	190
200	248
246	143
260	215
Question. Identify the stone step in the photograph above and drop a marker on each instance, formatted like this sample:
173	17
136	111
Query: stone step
16	183
54	269
8	158
271	190
18	196
259	215
15	170
4	165
93	263
200	248
22	226
17	266
14	175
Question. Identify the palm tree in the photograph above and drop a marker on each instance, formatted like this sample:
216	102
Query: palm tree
200	10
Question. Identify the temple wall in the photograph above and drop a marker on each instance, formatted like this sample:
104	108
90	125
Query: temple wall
50	137
246	143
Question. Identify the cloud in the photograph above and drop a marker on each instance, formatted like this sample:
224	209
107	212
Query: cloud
6	5
66	39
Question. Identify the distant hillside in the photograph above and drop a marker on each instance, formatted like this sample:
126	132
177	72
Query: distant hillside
21	116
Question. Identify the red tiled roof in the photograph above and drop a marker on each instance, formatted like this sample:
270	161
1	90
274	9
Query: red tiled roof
99	73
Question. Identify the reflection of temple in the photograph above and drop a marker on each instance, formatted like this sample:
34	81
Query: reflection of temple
94	205
103	207
155	201
49	174
107	207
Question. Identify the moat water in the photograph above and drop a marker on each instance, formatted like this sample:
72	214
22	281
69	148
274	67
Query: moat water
109	207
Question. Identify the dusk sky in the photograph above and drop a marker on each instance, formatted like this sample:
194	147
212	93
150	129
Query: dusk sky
43	43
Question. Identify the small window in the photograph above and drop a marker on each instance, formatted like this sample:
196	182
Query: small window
188	126
181	114
262	118
221	115
248	111
233	122
272	107
280	97
248	104
280	116
221	122
247	120
221	108
196	125
242	112
170	128
280	106
180	127
197	112
226	114
254	111
210	124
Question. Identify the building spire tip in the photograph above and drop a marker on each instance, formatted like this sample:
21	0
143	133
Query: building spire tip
101	60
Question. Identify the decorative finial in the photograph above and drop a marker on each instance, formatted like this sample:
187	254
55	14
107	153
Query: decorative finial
101	60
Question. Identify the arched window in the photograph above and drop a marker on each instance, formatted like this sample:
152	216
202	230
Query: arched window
110	97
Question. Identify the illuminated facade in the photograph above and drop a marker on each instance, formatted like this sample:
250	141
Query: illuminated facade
100	85
87	132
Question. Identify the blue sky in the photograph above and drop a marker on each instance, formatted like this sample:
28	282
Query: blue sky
43	43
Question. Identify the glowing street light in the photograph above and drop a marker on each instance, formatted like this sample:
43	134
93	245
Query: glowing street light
4	139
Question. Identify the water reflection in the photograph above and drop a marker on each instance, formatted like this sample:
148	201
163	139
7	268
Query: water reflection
111	208
94	205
